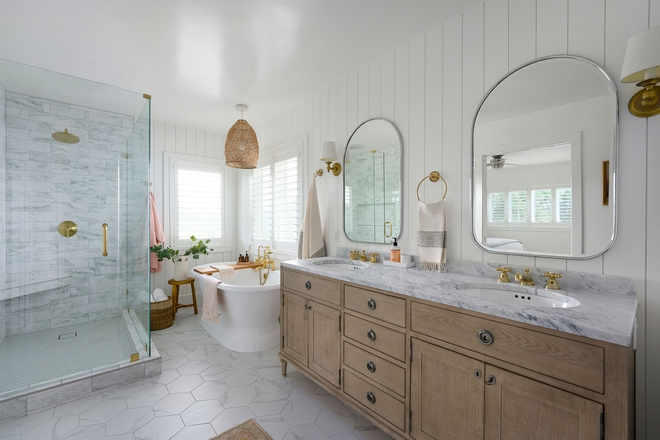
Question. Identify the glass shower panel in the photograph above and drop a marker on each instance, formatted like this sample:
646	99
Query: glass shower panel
62	291
135	252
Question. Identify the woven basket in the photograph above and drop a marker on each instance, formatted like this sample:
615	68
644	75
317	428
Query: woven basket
162	315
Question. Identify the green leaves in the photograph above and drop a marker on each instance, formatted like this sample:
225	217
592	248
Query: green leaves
167	253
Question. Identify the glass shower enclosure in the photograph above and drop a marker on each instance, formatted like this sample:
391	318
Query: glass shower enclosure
74	227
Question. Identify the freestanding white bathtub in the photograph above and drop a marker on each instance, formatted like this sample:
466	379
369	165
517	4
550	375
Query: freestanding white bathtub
248	312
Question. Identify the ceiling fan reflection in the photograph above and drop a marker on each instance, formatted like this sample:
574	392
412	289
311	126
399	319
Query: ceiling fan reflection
498	161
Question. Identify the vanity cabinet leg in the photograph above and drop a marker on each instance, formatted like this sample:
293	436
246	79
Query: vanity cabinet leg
283	362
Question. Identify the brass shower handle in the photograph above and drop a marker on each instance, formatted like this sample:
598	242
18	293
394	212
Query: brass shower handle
105	239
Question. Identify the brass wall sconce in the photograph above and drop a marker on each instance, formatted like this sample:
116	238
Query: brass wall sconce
329	155
641	64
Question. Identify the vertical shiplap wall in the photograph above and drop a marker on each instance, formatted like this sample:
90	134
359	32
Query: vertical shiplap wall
188	141
431	87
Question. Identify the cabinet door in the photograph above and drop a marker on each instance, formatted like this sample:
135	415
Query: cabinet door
518	408
295	342
447	395
324	342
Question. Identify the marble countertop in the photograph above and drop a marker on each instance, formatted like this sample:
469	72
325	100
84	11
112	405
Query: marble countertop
603	316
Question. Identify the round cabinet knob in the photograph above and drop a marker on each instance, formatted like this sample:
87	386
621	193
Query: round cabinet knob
371	335
371	304
308	285
370	397
371	367
485	337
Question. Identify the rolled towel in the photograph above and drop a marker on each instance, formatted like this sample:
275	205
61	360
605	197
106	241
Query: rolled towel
159	295
224	271
210	301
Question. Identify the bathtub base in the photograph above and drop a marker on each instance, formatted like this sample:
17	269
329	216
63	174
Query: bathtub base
267	339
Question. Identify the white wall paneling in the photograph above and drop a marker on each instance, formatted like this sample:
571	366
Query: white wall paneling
194	144
430	89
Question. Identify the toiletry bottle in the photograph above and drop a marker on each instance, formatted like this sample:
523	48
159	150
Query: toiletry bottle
395	253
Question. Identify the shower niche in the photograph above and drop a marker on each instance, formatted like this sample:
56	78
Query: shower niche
73	298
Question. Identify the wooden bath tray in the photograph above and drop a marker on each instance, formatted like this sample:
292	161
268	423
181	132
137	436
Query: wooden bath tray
236	266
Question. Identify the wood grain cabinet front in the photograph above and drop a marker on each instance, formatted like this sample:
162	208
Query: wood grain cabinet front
422	370
311	336
460	398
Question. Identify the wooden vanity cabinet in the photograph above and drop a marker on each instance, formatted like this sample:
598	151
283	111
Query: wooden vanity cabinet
311	330
418	369
460	398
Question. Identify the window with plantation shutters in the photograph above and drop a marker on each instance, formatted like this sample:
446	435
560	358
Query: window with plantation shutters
262	204
496	207
197	203
518	206
277	202
198	212
551	206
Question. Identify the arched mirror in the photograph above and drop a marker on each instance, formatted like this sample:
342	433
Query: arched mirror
372	183
544	148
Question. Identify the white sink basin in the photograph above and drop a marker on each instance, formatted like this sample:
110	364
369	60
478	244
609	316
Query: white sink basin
549	299
339	264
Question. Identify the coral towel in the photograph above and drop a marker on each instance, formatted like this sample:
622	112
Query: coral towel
432	237
156	235
310	243
210	301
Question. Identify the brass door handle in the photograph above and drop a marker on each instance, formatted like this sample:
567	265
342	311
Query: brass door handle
105	239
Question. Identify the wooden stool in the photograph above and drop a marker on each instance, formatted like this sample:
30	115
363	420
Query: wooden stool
175	294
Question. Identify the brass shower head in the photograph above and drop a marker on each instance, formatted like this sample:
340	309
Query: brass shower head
66	137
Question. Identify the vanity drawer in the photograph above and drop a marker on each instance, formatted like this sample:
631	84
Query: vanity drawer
376	336
319	288
385	307
565	359
376	400
385	373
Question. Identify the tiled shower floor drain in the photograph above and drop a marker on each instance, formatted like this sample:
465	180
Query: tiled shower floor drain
37	357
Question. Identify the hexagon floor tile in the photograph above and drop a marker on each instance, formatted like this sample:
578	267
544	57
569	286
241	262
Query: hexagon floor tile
204	389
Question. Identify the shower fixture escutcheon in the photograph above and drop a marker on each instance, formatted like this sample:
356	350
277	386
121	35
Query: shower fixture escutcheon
67	228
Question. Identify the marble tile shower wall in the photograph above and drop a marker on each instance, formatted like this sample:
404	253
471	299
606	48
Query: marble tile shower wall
3	212
53	281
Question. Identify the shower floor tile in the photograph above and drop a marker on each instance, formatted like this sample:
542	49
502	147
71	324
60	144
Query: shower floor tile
43	356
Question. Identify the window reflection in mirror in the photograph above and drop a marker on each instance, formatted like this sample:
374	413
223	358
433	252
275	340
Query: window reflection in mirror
372	183
540	137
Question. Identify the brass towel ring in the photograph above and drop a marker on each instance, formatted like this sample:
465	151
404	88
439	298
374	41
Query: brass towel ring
433	177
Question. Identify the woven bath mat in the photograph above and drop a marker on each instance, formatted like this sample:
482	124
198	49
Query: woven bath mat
248	430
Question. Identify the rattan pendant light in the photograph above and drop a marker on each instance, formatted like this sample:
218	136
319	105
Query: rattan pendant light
241	147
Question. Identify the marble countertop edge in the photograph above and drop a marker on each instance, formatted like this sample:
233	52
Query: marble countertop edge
600	316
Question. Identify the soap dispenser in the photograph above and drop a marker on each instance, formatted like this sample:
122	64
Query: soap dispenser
395	252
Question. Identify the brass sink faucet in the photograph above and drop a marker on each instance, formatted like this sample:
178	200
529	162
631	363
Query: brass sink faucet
504	277
363	256
552	280
525	279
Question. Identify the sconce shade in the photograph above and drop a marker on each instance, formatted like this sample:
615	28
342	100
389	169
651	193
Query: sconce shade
642	53
328	151
241	146
641	65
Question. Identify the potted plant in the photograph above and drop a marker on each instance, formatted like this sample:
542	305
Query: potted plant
181	269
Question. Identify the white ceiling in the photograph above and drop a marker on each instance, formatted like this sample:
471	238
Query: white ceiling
199	58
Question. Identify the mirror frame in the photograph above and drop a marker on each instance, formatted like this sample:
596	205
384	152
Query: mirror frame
343	188
613	166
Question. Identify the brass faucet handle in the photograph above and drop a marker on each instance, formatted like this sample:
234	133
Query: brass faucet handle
353	255
552	280
504	277
374	257
525	279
